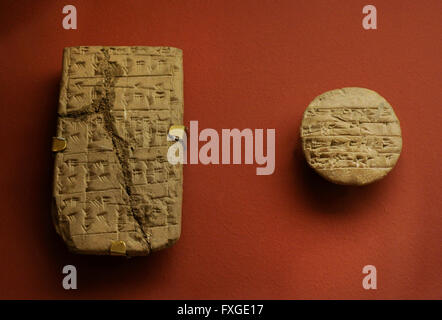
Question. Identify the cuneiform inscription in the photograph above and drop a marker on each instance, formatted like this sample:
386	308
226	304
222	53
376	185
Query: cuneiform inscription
351	137
113	181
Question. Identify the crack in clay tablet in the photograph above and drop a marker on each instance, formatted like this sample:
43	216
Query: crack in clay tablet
114	190
351	136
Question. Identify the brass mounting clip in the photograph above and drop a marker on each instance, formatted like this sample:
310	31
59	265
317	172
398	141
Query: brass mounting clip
118	248
58	144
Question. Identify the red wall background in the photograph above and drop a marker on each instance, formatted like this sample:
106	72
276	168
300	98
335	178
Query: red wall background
247	64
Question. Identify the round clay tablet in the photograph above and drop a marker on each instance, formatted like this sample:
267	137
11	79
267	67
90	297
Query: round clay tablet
351	136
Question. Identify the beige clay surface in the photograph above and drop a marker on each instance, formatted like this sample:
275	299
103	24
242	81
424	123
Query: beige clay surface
114	190
351	136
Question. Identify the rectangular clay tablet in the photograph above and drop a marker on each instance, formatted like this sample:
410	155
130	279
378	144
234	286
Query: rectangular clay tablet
114	190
